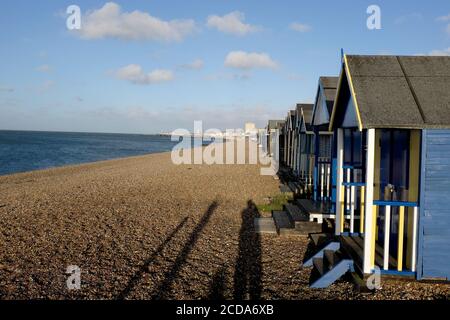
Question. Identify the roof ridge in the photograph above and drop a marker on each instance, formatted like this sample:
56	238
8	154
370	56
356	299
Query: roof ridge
416	99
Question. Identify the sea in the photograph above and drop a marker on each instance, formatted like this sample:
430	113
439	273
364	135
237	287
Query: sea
22	151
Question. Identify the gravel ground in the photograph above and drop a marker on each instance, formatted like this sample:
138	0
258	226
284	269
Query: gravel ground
143	228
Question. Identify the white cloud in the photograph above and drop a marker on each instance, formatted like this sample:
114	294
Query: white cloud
110	22
253	60
409	17
300	27
444	52
135	74
232	23
44	68
194	65
46	86
443	18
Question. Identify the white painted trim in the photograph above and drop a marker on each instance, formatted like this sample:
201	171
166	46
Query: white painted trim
387	234
368	227
352	209
348	189
322	169
328	181
339	177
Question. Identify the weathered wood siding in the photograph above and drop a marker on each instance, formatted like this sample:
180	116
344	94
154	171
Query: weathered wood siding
434	227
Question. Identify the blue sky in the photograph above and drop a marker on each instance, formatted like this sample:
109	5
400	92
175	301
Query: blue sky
151	66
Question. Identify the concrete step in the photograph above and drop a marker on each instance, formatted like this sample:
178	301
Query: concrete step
265	225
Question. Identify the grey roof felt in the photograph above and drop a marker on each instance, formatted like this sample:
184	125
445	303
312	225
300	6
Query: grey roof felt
307	112
329	85
275	124
329	82
402	92
307	115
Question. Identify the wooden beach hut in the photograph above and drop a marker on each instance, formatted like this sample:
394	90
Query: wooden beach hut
323	157
305	151
289	139
391	119
274	128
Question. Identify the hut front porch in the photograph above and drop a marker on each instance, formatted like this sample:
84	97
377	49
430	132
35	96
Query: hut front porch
353	247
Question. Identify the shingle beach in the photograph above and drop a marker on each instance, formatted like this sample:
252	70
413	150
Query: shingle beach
144	228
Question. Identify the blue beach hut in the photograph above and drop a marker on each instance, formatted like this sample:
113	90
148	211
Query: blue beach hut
391	120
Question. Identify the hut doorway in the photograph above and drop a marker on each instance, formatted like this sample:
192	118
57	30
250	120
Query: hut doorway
397	154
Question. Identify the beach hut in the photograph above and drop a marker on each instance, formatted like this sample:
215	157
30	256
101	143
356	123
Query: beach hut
391	119
323	157
289	131
305	148
273	137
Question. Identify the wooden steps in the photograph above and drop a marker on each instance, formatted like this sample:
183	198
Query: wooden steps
296	213
354	247
293	221
283	223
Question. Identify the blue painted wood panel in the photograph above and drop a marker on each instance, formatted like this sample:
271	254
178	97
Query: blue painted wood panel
434	237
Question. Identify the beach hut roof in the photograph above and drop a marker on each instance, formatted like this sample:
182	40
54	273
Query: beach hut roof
290	119
397	91
275	124
323	106
306	110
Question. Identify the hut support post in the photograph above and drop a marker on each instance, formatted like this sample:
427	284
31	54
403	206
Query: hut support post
316	164
339	180
370	214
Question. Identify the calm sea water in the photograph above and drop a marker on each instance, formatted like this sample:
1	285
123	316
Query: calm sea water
22	151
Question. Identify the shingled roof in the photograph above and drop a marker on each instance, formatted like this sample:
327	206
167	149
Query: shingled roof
329	85
400	91
306	111
275	124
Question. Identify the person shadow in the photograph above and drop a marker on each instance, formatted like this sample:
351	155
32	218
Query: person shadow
247	283
248	267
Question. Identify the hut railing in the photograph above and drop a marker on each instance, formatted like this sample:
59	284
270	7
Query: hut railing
324	178
402	207
352	198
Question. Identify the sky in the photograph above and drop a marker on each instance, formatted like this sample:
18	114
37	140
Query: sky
158	65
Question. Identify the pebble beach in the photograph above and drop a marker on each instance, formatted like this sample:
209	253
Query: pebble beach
144	228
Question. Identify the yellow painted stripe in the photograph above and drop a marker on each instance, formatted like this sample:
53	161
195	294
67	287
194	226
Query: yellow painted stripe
374	230
361	214
352	88
401	227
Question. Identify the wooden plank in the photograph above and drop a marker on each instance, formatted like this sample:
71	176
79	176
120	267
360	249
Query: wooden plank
339	180
370	223
311	207
296	213
387	233
401	228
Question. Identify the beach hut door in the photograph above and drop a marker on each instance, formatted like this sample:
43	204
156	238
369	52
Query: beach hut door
394	179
